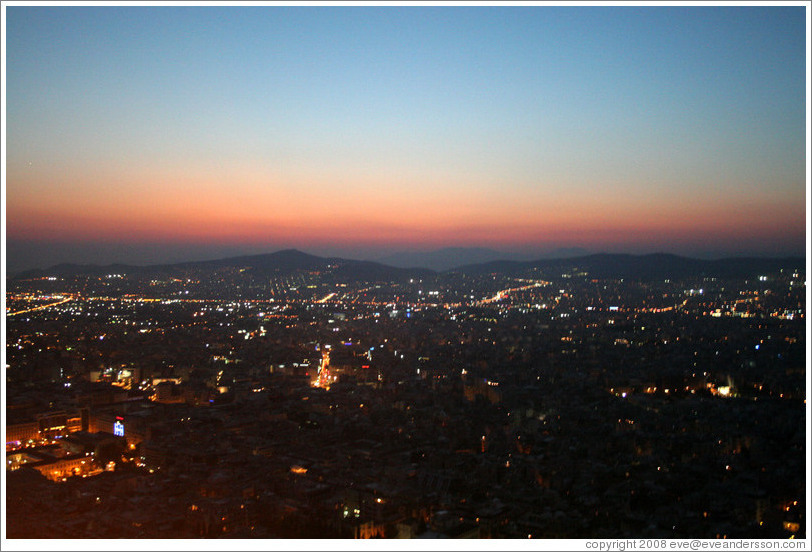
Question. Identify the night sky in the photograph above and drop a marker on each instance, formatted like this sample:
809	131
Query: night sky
148	134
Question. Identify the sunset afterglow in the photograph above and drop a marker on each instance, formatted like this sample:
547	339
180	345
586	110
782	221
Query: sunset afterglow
633	129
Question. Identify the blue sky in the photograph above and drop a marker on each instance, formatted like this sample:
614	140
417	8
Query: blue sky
612	128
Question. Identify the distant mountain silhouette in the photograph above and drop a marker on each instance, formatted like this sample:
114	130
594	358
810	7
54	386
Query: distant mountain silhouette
278	263
447	258
281	261
565	252
642	267
639	267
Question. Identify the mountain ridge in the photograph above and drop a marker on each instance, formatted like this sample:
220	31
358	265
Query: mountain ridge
279	262
601	265
451	258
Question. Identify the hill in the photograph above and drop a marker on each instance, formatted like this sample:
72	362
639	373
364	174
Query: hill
617	266
447	258
279	263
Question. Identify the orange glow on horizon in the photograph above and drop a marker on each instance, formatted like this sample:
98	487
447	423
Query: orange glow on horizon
180	207
227	230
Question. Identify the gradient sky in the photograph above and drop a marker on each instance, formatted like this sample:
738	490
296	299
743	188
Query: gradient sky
142	134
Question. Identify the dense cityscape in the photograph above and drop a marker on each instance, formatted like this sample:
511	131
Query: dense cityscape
289	396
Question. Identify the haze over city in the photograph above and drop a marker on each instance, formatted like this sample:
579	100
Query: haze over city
158	134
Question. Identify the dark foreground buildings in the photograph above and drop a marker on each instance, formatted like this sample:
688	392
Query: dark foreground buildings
545	406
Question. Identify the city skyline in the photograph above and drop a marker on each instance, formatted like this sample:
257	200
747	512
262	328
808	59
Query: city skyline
153	134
